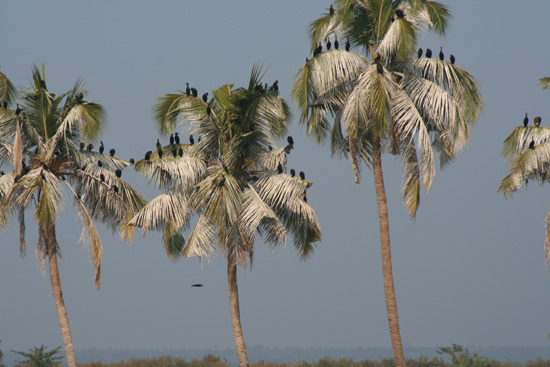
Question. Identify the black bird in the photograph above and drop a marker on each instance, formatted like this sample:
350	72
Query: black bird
208	110
148	155
292	172
160	152
348	45
279	168
379	68
304	196
101	147
453	59
537	121
171	139
187	90
428	53
159	146
99	163
197	285
43	84
90	147
17	110
177	138
336	44
4	104
191	140
302	175
174	152
290	140
399	13
532	145
441	54
115	189
112	152
205	97
180	152
319	48
102	177
331	10
118	172
270	148
194	92
329	45
275	86
79	97
419	53
260	88
525	120
82	146
131	161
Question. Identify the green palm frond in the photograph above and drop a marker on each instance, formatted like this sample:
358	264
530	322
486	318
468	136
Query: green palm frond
173	241
544	82
8	92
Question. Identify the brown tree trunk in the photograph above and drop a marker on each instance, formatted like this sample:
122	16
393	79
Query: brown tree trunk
236	313
51	244
389	290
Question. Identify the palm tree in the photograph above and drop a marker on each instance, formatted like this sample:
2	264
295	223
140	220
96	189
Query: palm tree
527	151
232	180
387	100
39	139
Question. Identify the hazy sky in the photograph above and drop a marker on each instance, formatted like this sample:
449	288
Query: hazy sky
470	270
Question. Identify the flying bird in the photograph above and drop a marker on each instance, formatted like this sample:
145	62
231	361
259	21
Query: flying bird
537	121
198	285
525	120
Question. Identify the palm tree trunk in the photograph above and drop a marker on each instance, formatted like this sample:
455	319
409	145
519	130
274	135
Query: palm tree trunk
51	243
389	290
236	313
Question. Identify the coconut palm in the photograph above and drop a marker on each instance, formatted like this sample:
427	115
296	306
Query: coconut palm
39	139
387	100
232	180
527	152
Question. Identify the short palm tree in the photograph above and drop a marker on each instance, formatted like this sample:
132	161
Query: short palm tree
389	100
232	180
527	151
40	140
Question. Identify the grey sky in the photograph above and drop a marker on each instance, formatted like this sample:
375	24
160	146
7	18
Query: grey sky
469	271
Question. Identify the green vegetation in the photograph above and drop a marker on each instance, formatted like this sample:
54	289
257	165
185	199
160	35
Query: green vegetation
40	357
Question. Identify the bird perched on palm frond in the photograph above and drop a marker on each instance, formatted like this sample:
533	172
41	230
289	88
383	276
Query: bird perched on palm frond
537	121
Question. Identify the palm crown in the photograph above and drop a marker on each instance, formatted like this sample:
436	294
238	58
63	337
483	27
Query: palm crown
40	140
412	106
231	179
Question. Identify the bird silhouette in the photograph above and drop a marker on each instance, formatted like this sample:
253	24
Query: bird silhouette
419	53
302	175
177	138
180	152
428	53
158	144
99	163
441	54
102	177
453	59
101	147
131	161
329	44
90	147
82	146
187	90
331	10
112	152
537	121
191	140
292	172
118	172
194	92
208	110
275	86
115	189
290	140
174	152
336	43
525	120
348	45
148	155
532	144
17	110
205	97
171	139
399	13
279	168
198	285
160	153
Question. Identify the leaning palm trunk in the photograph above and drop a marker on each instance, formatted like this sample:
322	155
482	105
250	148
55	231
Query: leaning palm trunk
236	314
389	289
59	303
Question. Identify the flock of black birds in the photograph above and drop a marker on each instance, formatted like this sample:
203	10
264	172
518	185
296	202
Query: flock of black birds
441	54
537	120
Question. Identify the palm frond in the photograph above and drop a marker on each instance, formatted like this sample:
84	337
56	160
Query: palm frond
544	82
202	240
521	138
8	92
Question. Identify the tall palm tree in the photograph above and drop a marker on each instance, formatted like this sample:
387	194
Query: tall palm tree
40	140
527	151
386	101
232	180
